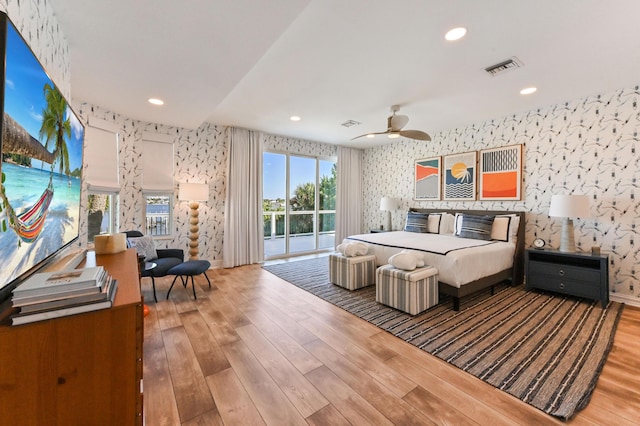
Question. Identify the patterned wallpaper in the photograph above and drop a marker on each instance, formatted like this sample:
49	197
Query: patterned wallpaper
200	155
587	146
35	21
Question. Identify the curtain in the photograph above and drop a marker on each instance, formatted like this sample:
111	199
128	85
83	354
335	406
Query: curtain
349	208
243	222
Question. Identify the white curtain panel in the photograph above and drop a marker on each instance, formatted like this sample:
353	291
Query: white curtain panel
349	204
243	222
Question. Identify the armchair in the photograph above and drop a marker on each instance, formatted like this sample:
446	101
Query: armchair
167	259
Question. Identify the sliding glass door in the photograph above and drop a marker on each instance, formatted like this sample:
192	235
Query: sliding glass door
298	204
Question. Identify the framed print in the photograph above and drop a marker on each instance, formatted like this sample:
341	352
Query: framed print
460	177
500	173
427	179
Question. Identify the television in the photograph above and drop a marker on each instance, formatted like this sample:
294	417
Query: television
41	146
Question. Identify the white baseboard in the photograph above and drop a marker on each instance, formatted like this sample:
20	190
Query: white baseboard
216	264
624	298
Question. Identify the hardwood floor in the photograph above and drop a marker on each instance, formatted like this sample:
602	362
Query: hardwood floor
255	349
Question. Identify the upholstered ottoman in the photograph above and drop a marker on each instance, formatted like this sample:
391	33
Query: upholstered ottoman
409	291
352	272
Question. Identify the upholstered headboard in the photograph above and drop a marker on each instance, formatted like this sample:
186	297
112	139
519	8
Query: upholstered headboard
518	257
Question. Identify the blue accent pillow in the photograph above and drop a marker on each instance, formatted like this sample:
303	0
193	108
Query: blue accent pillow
417	222
476	227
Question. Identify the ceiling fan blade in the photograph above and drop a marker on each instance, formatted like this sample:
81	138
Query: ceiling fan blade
370	133
415	134
397	122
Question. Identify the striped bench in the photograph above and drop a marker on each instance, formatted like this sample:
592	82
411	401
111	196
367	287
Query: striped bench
409	291
352	272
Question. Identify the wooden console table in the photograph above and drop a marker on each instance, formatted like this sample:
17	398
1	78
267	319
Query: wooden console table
80	369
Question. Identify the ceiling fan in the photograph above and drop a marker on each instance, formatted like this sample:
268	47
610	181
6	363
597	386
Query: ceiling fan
395	123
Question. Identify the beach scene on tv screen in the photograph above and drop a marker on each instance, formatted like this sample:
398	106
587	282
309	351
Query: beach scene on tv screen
41	164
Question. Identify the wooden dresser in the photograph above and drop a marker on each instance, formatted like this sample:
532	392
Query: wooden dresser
80	369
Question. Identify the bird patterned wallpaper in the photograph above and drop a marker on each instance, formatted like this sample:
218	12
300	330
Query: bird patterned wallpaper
587	146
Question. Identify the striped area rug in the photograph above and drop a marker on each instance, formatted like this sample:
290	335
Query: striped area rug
546	350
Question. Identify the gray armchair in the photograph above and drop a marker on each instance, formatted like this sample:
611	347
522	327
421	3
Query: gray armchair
167	259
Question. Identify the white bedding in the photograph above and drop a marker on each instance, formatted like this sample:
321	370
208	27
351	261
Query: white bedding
459	260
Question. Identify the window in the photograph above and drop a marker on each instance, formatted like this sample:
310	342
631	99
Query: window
158	218
298	204
101	214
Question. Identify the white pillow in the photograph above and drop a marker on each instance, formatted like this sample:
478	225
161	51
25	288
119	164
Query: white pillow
404	261
353	249
500	228
446	223
145	247
433	223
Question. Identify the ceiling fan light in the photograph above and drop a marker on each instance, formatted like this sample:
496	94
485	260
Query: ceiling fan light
393	135
371	136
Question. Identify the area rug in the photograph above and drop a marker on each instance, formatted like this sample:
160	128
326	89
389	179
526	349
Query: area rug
546	350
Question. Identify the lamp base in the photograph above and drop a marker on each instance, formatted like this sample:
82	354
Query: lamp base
194	231
567	239
388	221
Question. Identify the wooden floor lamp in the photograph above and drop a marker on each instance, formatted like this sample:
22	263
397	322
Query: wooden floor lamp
194	193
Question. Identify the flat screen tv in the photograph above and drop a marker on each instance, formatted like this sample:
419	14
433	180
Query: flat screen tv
41	147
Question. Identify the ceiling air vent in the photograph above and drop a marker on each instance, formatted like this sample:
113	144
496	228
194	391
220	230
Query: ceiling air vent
503	66
350	123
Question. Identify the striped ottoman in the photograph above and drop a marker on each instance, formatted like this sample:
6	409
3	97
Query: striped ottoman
409	291
352	272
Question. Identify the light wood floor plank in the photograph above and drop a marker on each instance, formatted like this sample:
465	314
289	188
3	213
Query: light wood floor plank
300	392
351	405
193	397
160	406
381	398
206	348
269	399
328	415
233	401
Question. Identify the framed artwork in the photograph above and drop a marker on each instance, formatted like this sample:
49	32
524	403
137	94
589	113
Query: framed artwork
460	177
500	173
427	179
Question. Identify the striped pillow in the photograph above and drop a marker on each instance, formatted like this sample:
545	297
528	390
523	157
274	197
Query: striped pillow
476	227
417	222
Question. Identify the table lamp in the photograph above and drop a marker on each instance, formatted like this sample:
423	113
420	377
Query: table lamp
568	207
193	192
387	204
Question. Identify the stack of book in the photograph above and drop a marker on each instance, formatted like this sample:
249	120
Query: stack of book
57	294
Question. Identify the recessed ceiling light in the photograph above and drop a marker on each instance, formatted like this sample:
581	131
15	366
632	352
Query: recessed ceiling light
528	90
294	118
156	101
455	34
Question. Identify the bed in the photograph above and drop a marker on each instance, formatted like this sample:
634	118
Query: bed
465	265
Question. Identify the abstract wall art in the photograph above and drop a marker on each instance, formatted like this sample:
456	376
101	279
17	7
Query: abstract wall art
427	179
460	177
500	173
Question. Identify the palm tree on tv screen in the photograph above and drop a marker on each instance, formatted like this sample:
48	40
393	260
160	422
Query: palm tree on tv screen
55	127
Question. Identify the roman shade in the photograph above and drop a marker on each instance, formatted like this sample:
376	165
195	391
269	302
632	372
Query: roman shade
101	156
157	162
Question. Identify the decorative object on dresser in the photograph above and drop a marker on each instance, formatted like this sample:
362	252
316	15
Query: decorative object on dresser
568	207
576	274
388	204
193	193
427	181
500	173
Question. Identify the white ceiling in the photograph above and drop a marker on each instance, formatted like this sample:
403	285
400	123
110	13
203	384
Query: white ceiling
253	64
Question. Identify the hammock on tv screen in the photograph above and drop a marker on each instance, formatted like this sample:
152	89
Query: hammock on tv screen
29	223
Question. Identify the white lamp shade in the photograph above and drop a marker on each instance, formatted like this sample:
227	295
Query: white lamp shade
193	192
569	206
388	204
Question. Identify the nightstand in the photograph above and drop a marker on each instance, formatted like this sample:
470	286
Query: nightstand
576	274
